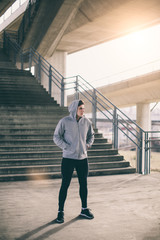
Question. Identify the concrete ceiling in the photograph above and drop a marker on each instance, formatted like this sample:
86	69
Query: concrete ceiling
98	21
91	22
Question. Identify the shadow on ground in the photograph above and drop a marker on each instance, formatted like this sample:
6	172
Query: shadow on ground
50	232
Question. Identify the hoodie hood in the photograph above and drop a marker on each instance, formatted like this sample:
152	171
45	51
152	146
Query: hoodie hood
73	109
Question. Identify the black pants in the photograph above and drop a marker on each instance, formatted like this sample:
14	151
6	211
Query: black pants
67	168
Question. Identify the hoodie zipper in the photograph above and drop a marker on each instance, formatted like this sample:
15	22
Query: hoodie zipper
79	140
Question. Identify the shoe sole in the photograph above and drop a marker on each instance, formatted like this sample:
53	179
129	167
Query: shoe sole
57	221
83	215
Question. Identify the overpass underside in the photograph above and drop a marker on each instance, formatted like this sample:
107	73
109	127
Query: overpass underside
73	25
62	27
141	89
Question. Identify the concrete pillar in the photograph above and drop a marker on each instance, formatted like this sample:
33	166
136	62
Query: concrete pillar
58	61
143	116
144	121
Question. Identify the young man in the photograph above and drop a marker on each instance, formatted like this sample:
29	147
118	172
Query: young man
74	135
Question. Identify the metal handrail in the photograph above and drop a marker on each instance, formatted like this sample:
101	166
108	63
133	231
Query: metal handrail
80	86
27	19
110	103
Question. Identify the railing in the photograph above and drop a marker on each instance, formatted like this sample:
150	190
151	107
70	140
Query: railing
27	19
152	143
78	88
108	110
29	58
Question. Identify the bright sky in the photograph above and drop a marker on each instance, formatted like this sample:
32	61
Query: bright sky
119	59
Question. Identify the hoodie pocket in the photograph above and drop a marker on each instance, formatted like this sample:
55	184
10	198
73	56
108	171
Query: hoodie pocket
67	147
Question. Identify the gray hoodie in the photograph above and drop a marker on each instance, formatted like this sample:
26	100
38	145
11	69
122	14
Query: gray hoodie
74	137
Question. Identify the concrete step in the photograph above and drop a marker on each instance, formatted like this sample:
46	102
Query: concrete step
101	146
30	117
14	91
34	123
9	81
39	141
21	121
18	127
30	132
57	167
101	172
33	113
29	176
24	116
19	79
40	176
14	72
33	109
25	142
27	131
51	153
7	137
50	147
100	140
4	90
10	102
3	56
26	99
6	65
27	122
32	135
35	103
22	95
56	160
20	148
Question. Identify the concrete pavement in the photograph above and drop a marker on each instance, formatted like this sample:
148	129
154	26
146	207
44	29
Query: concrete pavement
126	207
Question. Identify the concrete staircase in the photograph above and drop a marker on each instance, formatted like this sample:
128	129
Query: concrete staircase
28	116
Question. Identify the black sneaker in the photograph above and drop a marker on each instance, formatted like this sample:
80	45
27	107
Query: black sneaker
87	214
60	217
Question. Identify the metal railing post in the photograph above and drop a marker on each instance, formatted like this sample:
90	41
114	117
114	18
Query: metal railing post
76	89
30	60
115	128
146	156
139	153
21	60
15	56
149	158
94	108
39	69
50	81
62	92
4	40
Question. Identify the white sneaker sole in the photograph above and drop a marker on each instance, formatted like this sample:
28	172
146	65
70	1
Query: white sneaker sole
84	215
59	221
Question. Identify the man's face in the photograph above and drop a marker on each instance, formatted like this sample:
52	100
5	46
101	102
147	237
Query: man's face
80	111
